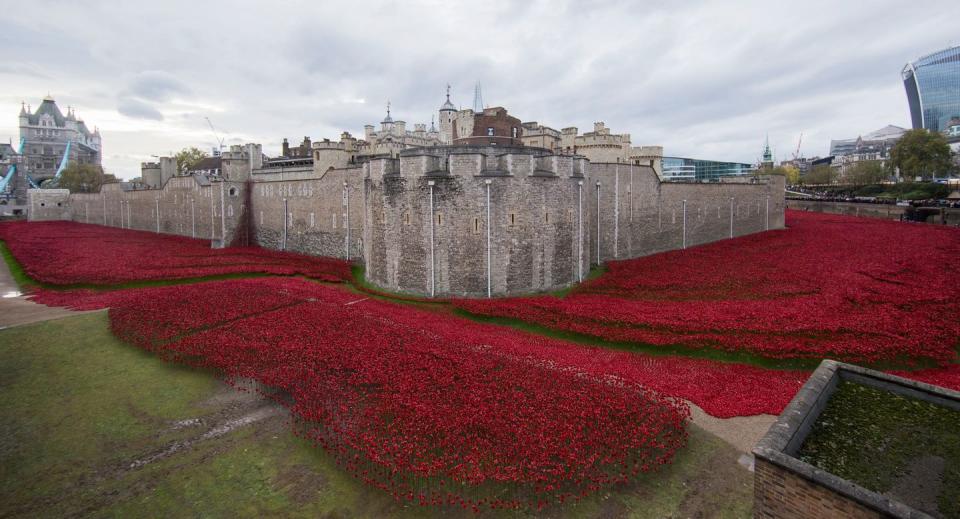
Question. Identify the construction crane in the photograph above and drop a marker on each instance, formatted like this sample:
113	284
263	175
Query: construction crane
215	136
796	154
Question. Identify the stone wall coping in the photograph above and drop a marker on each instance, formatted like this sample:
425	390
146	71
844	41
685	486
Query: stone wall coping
787	434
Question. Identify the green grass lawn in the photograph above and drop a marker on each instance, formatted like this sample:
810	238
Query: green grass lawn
79	408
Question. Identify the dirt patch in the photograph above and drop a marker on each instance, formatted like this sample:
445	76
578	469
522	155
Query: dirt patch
300	483
720	475
240	414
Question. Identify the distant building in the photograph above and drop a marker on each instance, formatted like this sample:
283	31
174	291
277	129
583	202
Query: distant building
491	127
537	135
952	131
933	89
803	164
685	169
303	150
52	139
393	136
872	146
602	145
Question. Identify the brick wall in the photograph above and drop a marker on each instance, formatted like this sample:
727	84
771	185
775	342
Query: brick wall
783	495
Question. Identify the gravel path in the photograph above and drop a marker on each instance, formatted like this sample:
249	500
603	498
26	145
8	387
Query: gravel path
16	309
742	432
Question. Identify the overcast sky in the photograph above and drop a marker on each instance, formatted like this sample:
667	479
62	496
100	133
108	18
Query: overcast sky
702	79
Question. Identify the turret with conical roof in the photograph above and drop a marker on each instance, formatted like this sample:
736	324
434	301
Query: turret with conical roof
386	125
448	106
447	112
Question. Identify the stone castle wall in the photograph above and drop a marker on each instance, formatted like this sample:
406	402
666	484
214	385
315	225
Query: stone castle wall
314	214
184	206
530	214
639	215
545	222
48	204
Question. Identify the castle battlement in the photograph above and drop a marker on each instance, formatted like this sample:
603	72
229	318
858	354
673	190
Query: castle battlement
327	144
472	161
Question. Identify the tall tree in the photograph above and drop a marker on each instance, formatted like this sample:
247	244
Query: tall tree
866	172
188	158
822	174
83	178
920	153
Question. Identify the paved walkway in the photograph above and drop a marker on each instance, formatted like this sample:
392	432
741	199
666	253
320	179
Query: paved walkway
15	309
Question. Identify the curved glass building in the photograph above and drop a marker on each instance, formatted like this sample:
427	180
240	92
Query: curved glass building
933	89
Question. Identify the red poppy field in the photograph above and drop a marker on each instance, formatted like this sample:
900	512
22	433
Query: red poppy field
432	411
70	253
438	409
855	289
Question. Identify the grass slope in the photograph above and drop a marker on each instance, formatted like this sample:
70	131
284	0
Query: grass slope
79	408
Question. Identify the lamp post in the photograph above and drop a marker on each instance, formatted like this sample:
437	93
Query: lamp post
731	217
346	218
684	224
580	230
489	280
598	223
433	263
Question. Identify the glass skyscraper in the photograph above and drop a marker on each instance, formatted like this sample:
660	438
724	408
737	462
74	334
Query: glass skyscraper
679	168
933	89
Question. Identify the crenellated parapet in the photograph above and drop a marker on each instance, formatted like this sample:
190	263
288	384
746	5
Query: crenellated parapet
474	161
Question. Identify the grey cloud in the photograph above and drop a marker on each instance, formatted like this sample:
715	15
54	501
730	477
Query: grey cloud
138	109
154	85
700	78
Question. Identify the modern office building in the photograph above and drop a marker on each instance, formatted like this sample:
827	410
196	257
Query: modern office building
684	169
933	89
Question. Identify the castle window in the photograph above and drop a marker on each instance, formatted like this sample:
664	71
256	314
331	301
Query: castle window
546	217
514	132
489	132
406	218
439	219
312	219
513	219
476	226
233	192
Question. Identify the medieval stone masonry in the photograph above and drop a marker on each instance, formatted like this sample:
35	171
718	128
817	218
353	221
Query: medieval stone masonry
441	221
